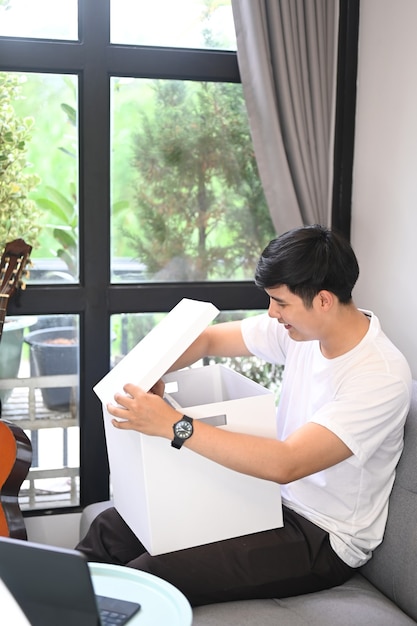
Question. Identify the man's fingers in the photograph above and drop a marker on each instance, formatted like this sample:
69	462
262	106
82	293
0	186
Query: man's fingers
121	424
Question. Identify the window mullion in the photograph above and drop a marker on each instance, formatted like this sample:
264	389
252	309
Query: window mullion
94	135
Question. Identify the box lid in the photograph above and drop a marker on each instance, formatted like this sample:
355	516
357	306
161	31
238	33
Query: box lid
148	361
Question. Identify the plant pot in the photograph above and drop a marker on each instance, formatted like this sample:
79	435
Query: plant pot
54	321
54	351
11	349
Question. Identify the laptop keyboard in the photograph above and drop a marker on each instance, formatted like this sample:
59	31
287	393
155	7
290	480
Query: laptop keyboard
114	612
110	618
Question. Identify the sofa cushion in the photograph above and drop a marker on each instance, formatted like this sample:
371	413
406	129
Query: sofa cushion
393	567
355	603
90	513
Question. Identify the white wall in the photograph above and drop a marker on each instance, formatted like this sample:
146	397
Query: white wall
384	220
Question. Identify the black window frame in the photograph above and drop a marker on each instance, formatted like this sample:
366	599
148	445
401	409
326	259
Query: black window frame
95	60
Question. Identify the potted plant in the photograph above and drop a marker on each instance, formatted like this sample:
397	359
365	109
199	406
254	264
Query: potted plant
19	216
54	350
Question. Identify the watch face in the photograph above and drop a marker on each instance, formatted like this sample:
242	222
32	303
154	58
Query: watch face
183	429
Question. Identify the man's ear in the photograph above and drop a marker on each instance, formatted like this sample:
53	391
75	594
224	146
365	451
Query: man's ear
326	299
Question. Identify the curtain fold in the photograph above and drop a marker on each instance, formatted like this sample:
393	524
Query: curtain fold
287	53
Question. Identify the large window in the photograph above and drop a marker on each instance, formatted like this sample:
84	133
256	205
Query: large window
136	167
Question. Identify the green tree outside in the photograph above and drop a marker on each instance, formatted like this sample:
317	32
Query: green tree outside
196	194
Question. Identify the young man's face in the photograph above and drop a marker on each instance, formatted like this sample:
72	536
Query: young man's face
302	323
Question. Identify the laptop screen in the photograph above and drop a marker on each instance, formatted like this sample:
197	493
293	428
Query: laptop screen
52	585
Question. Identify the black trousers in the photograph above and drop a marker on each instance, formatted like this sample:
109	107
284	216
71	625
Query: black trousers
287	561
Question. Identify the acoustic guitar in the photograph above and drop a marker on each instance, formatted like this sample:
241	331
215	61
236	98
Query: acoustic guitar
15	446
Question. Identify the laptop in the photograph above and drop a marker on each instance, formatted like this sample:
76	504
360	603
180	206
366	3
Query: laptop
53	587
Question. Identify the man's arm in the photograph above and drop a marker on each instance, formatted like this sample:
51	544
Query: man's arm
308	450
223	340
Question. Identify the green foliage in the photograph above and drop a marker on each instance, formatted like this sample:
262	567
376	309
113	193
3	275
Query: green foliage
18	215
200	212
65	211
53	151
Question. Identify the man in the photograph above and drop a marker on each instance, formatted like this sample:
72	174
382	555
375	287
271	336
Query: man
344	399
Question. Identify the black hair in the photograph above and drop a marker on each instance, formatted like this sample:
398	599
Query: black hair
307	260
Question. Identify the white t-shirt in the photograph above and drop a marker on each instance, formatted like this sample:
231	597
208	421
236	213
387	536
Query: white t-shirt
363	397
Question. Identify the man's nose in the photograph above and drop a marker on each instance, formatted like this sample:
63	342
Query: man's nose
274	310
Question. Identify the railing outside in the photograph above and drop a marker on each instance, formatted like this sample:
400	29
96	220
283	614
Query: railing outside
25	408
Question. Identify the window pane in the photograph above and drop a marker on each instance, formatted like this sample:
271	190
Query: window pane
39	381
39	167
179	24
187	202
129	329
40	19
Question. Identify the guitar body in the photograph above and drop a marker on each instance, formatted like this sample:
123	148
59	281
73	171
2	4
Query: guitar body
15	446
15	461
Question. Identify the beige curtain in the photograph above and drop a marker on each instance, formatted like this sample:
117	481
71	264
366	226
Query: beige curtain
287	53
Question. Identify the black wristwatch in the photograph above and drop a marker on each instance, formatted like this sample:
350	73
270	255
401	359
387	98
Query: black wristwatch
183	429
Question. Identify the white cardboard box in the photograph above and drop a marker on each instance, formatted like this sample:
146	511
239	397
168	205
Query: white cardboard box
174	499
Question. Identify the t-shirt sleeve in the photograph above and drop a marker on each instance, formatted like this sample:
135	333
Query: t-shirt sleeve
365	413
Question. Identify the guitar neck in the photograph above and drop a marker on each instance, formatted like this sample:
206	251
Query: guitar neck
4	299
12	266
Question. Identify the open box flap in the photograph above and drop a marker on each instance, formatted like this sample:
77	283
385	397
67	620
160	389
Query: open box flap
148	361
